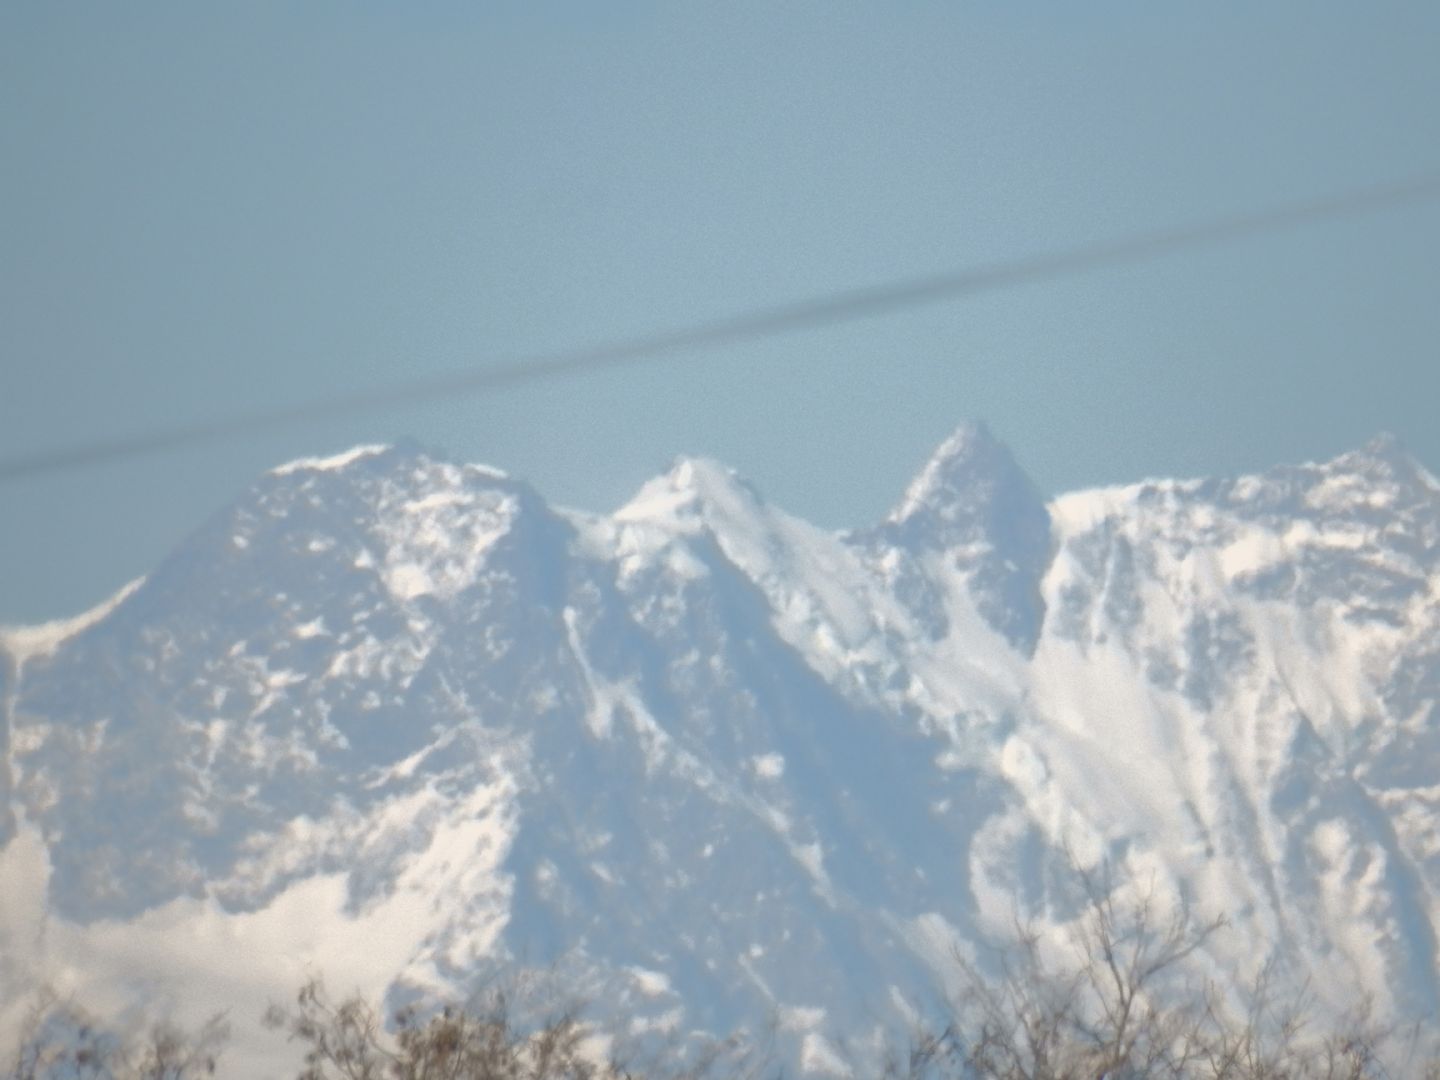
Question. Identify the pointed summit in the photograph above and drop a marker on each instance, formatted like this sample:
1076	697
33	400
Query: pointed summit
693	489
1385	453
970	464
1383	469
973	502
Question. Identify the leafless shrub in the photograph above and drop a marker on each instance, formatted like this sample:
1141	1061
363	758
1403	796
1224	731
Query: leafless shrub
481	1043
1118	1008
1099	1014
738	1056
484	1041
1279	1038
59	1040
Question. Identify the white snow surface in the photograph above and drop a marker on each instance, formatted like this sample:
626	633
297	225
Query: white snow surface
398	721
330	463
24	643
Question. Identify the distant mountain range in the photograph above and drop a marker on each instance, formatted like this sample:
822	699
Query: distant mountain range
400	721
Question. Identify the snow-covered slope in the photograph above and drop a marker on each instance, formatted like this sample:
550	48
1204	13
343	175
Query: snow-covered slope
400	721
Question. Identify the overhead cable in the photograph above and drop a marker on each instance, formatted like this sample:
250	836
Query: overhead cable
808	314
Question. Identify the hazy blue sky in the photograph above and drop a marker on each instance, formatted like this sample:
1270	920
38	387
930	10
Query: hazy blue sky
203	212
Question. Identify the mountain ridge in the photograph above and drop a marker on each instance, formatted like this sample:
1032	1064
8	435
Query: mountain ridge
770	766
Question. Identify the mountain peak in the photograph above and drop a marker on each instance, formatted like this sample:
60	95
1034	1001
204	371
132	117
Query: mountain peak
1382	469
692	488
701	475
367	458
973	501
331	462
970	465
1385	453
1385	443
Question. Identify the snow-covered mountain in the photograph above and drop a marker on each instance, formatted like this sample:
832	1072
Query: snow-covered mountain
401	721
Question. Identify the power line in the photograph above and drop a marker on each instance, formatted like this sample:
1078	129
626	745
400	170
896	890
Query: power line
812	313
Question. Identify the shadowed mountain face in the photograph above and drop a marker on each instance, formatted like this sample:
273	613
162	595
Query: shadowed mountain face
972	511
717	766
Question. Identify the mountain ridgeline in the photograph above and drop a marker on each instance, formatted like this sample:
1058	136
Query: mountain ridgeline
399	719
